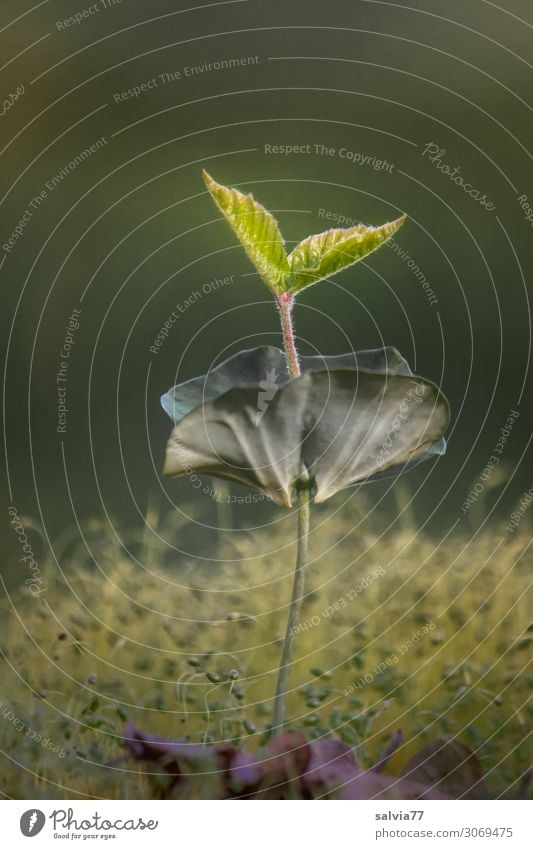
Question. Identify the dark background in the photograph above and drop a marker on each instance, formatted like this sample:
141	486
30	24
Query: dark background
134	224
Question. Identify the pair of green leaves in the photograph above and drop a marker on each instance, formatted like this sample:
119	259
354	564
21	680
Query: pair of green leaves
313	259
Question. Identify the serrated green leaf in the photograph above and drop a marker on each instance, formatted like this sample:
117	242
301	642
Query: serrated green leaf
327	253
256	229
315	258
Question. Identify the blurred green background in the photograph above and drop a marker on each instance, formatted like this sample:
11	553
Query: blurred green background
130	232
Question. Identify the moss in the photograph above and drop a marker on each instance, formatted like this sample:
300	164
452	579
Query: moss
432	645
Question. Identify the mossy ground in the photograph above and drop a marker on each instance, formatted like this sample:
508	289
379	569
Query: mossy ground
440	632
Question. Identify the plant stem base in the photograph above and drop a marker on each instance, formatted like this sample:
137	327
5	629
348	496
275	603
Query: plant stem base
294	610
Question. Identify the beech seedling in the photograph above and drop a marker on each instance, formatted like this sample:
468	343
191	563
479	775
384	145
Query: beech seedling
330	421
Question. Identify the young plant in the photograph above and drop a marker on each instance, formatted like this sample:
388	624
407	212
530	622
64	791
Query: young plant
330	421
312	260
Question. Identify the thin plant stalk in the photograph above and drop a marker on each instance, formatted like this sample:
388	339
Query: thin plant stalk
282	686
285	305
